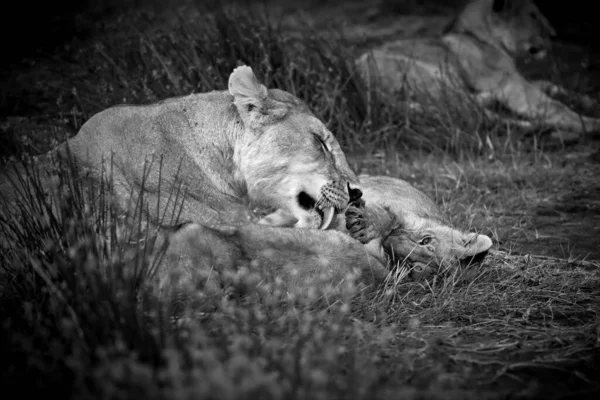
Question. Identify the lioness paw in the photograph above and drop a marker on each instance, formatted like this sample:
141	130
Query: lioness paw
357	224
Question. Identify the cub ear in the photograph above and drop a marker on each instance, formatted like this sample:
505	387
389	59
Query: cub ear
251	98
393	221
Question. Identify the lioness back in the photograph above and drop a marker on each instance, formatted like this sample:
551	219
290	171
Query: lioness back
298	257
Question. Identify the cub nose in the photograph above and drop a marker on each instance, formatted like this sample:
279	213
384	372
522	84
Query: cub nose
354	194
473	260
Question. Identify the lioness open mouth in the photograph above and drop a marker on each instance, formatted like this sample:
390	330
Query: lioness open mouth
327	213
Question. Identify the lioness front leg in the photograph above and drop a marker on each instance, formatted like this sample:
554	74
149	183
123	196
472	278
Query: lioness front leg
553	89
488	99
358	223
283	218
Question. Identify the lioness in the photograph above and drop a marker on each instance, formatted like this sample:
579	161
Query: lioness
398	222
476	55
394	222
231	149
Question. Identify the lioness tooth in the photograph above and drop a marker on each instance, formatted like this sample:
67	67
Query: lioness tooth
328	215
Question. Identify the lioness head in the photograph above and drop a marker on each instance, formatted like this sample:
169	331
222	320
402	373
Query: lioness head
289	159
414	230
517	26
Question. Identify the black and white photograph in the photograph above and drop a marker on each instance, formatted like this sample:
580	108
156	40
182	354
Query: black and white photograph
309	199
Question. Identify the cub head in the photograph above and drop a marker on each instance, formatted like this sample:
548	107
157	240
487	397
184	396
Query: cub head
414	231
428	246
288	158
516	26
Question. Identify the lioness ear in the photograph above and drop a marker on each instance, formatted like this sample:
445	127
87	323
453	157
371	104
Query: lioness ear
251	98
246	90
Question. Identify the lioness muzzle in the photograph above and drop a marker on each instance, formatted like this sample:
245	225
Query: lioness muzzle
328	216
333	199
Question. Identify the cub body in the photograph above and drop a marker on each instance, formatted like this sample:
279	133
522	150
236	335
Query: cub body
399	223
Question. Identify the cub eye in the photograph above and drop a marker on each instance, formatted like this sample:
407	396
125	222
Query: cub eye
321	142
425	241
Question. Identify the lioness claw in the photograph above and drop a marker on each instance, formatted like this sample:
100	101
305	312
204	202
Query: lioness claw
328	217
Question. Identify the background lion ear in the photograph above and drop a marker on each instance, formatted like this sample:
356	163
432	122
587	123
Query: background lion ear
246	89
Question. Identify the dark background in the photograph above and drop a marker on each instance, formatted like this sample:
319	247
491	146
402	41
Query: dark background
27	27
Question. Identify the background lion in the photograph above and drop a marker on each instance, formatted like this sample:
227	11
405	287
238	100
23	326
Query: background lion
476	55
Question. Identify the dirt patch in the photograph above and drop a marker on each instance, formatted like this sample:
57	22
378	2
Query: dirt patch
569	228
566	223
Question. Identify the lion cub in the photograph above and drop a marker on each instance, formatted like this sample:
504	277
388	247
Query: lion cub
398	222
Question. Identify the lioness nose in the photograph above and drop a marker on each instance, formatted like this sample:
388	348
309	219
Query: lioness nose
354	194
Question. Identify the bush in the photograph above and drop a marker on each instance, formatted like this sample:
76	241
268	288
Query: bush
84	314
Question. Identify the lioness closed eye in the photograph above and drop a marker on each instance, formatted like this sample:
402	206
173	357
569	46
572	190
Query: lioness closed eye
476	56
402	224
246	145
